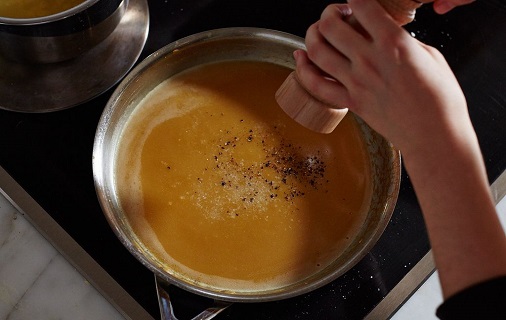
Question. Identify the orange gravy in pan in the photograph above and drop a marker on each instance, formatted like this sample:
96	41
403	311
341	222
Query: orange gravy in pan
226	190
34	8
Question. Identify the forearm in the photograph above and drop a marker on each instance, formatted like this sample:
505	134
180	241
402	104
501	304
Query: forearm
467	239
406	91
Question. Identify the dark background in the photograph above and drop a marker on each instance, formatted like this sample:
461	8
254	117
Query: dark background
50	154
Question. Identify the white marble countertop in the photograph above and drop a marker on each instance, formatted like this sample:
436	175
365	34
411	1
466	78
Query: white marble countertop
37	282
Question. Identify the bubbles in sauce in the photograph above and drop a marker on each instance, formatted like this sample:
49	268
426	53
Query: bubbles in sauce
226	190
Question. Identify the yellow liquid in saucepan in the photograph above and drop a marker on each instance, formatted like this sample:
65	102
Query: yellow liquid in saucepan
23	9
225	189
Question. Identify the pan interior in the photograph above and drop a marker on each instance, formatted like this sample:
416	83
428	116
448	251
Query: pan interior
371	168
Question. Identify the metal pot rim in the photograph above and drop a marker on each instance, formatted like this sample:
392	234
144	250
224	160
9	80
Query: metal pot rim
100	165
48	19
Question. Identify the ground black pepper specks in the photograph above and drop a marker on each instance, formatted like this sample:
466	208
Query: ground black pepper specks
283	172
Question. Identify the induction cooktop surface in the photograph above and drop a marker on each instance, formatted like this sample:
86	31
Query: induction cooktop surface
49	154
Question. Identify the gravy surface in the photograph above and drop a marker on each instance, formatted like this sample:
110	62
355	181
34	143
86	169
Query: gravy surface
225	189
24	9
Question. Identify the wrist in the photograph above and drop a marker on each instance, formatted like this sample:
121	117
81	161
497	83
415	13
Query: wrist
452	155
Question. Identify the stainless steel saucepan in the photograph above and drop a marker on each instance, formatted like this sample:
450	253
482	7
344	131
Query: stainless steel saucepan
60	36
211	46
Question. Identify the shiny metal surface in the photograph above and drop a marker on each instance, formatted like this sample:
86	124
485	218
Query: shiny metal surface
230	44
60	36
56	86
71	249
167	309
130	308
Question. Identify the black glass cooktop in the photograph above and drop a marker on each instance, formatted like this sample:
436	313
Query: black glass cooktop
49	154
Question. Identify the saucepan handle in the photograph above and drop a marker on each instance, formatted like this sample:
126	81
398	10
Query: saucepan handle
167	311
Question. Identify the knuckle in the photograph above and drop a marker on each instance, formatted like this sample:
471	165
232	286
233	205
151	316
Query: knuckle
312	52
329	9
399	42
329	18
308	81
314	85
326	25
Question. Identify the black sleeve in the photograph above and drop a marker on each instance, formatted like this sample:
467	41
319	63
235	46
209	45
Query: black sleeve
485	300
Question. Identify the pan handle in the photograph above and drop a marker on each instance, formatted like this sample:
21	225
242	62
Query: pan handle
167	312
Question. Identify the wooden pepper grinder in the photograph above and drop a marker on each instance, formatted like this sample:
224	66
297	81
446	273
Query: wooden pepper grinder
312	112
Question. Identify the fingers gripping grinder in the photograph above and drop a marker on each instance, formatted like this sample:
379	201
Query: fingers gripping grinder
311	111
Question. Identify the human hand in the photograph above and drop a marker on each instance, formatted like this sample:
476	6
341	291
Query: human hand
402	88
443	6
406	91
